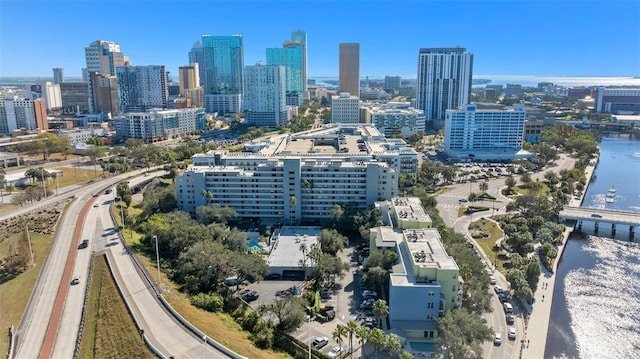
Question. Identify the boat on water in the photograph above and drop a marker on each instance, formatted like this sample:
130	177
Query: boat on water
609	200
611	195
612	190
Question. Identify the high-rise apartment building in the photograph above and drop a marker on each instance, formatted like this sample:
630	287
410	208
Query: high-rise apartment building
18	113
103	57
75	97
156	125
264	102
58	75
291	56
141	88
196	56
394	118
392	82
104	94
301	37
224	63
349	69
40	113
51	92
484	134
444	81
189	77
345	108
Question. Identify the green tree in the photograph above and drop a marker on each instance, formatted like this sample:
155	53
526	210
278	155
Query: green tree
461	335
380	310
331	241
47	143
392	344
377	340
289	312
484	186
510	182
352	330
65	147
94	153
339	333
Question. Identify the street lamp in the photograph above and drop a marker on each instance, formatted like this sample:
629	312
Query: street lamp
204	344
309	334
155	238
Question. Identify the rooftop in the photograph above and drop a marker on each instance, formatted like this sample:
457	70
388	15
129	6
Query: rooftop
285	251
409	209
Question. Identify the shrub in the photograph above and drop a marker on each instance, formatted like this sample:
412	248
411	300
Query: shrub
211	302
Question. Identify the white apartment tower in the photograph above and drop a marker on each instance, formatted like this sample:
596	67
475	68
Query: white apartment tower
345	108
444	81
17	113
264	98
489	134
103	57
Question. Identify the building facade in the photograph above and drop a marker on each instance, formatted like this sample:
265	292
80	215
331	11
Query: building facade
75	97
264	101
298	177
392	82
349	69
394	118
196	56
223	67
291	57
156	125
425	281
345	108
141	88
195	96
444	81
189	77
300	36
58	75
618	100
104	94
53	95
18	113
103	57
469	131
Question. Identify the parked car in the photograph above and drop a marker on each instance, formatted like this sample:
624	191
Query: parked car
596	215
498	289
510	319
512	333
250	296
335	352
463	200
107	191
497	339
504	297
369	294
320	342
492	280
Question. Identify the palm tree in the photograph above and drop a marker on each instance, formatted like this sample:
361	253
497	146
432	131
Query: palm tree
363	334
377	339
339	333
392	344
292	204
352	329
381	310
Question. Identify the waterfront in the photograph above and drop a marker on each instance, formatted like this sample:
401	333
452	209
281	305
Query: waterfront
596	301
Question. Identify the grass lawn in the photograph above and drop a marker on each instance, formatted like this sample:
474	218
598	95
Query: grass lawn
15	292
488	243
73	176
218	326
8	207
109	330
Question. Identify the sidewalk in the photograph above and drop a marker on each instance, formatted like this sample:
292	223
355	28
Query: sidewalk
538	327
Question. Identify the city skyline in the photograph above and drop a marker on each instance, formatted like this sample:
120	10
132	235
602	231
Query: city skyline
568	38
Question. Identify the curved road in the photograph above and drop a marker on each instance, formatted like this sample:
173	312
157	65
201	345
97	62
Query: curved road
448	206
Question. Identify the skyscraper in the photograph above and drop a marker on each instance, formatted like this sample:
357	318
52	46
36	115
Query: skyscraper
301	37
189	77
196	56
349	76
18	113
104	94
291	57
224	63
103	57
264	98
444	81
58	75
142	87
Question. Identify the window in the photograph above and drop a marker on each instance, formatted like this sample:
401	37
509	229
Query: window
430	305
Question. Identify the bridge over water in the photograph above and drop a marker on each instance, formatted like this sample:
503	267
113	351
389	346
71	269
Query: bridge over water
613	217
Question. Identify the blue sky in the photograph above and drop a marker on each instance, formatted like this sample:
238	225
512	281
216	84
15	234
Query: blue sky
554	38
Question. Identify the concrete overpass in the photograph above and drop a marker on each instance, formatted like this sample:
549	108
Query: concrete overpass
613	217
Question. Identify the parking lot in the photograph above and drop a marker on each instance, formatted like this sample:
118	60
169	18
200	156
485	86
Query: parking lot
345	297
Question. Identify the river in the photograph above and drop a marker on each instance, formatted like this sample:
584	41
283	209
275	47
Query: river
596	304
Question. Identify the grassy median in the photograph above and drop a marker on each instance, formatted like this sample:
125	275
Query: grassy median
109	330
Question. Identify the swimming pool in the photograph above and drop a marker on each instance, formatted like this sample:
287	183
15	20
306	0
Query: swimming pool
423	346
255	246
